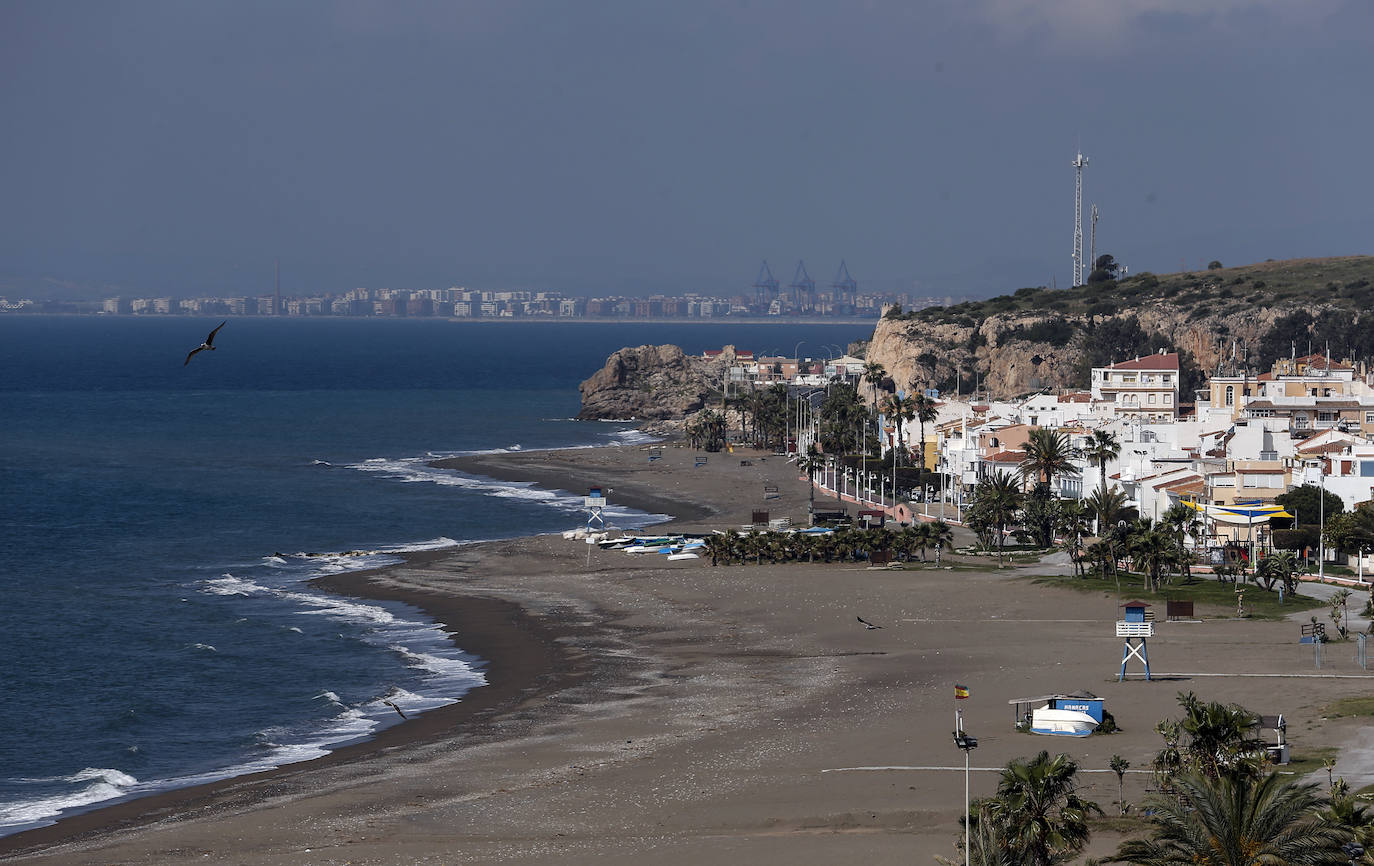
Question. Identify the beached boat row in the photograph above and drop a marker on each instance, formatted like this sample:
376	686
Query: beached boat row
675	547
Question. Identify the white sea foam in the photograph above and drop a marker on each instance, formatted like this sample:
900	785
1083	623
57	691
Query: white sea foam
342	609
91	786
230	585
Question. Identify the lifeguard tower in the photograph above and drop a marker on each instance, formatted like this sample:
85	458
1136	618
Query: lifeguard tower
1136	626
595	502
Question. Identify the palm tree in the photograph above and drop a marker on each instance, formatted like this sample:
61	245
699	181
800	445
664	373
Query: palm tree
809	463
896	407
1236	821
925	411
1107	507
1220	739
1183	522
1072	525
874	374
1102	446
1037	811
1048	453
1120	765
996	502
1152	550
1281	565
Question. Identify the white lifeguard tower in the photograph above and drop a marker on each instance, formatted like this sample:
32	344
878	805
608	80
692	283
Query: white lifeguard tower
595	502
1136	626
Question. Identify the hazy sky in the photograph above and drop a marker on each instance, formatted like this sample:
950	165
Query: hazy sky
602	146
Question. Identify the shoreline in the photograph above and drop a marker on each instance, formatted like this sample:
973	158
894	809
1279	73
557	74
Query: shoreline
517	652
684	713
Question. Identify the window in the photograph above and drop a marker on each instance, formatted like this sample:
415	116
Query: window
1261	479
1367	468
1168	399
1152	398
1369	417
1223	481
1230	395
1300	420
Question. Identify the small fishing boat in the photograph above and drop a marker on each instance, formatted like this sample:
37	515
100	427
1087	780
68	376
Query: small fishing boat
1065	723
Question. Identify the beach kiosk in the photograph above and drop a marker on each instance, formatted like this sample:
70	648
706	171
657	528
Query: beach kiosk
1136	625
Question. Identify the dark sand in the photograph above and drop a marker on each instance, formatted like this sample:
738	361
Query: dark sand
641	710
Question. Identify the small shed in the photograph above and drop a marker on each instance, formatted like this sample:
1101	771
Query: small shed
872	517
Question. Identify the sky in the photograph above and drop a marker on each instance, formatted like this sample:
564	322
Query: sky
644	146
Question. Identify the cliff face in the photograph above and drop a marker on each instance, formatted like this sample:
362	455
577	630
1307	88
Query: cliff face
920	354
652	383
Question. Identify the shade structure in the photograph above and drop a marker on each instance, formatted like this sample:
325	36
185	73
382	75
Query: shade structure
1240	514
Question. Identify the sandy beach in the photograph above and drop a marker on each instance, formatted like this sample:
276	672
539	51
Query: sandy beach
641	710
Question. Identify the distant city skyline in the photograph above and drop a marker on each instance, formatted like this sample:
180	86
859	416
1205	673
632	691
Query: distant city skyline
614	147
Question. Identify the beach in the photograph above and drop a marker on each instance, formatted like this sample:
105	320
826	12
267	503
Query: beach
643	709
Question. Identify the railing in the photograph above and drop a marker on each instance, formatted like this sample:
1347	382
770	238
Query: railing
1135	629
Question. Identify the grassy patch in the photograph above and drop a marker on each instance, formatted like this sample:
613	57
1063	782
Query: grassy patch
1308	760
1217	599
1349	707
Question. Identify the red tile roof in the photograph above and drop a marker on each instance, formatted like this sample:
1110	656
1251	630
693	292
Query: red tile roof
1167	361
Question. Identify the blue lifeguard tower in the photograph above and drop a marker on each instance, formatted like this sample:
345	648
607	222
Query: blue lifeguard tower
1136	626
596	504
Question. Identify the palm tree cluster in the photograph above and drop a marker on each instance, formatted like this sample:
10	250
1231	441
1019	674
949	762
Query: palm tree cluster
842	545
1036	817
762	416
1157	549
1221	803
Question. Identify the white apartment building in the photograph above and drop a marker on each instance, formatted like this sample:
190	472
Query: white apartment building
1145	388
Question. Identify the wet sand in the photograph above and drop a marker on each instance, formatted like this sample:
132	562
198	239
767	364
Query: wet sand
642	709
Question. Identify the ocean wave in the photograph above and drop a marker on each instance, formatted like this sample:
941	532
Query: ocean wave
85	788
230	585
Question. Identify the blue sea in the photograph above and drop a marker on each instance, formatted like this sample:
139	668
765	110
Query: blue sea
159	523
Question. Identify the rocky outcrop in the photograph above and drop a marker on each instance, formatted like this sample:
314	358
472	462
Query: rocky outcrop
918	354
652	383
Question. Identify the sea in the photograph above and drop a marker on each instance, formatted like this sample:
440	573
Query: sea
160	521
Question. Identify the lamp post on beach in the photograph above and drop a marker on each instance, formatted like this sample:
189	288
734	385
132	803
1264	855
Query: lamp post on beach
966	744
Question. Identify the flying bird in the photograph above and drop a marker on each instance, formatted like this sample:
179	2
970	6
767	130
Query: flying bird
866	623
394	707
208	344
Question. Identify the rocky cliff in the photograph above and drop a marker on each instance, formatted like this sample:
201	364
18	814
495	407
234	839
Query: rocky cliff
1015	353
652	383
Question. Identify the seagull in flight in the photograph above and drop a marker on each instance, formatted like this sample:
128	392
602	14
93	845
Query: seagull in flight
208	344
394	707
867	624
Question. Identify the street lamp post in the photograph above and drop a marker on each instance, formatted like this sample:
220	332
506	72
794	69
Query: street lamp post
1321	524
966	744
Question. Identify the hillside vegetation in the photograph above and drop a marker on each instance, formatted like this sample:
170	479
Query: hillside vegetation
1345	282
1036	338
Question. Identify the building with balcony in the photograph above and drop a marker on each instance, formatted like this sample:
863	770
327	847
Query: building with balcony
1145	388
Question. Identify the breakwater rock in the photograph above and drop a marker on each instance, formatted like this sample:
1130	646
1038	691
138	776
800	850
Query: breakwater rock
652	383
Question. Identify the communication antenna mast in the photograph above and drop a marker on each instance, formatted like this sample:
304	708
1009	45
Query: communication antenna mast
1079	163
1092	242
